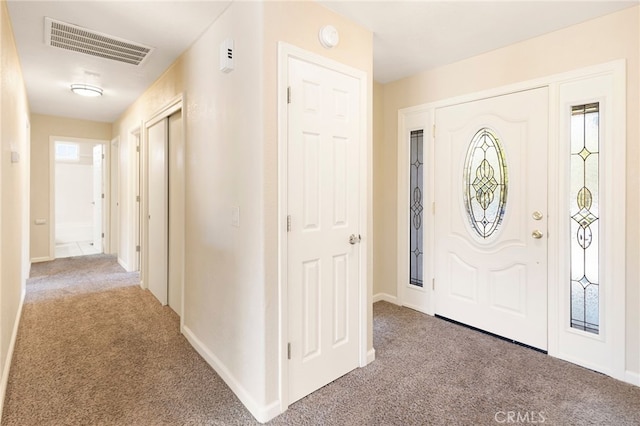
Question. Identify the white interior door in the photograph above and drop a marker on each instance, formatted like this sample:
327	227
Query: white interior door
323	241
157	268
491	215
98	197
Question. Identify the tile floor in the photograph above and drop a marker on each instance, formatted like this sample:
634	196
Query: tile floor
77	248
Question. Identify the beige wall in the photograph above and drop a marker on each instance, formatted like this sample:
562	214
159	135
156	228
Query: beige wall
42	127
162	91
384	201
224	275
231	288
14	194
601	40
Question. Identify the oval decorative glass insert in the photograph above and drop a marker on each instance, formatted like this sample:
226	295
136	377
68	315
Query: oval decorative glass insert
485	183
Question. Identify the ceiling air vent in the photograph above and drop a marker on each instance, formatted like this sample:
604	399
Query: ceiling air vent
72	37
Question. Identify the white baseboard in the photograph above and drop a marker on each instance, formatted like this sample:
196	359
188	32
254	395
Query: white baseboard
262	413
123	264
632	377
371	356
12	343
41	259
379	297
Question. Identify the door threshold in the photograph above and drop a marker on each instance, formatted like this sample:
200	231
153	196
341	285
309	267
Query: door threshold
506	339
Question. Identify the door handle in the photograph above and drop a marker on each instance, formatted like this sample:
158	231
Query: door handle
536	234
353	238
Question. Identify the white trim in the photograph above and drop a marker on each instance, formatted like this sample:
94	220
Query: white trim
165	111
286	51
553	225
632	377
135	213
106	226
262	413
174	105
420	299
114	219
371	355
616	244
605	351
385	297
12	343
123	264
41	259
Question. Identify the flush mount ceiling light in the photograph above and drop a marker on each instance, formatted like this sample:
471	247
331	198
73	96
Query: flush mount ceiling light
86	90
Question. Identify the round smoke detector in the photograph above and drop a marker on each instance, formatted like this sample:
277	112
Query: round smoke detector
328	36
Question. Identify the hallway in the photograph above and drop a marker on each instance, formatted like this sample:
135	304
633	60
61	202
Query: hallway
77	248
94	348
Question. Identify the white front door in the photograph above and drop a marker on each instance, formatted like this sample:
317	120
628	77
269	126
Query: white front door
158	211
324	253
98	197
491	215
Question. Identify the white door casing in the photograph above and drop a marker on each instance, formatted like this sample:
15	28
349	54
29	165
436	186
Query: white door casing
52	190
604	351
497	283
324	208
410	295
603	83
98	196
157	269
137	219
176	212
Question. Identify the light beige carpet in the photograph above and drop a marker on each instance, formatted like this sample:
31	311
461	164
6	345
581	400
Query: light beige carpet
95	349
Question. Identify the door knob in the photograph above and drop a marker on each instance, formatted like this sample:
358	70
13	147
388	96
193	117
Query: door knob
353	238
536	234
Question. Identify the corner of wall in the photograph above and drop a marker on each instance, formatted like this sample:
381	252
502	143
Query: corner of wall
4	375
262	412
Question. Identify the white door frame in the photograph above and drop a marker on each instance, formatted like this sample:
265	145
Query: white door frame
114	211
614	267
136	242
172	106
410	119
106	176
286	51
131	198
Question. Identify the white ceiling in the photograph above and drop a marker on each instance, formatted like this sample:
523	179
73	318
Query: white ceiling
168	26
409	36
412	36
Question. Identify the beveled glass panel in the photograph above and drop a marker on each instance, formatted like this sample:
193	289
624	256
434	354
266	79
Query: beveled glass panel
584	214
416	207
485	183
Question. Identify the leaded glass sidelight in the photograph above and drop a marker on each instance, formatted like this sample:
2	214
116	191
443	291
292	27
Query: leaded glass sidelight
485	183
416	206
584	214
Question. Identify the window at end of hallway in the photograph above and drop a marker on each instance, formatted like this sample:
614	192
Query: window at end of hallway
67	151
